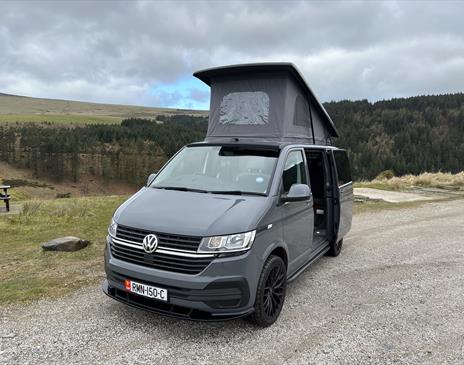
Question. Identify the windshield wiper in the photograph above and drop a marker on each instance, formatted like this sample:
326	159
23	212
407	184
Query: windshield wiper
181	188
226	192
236	192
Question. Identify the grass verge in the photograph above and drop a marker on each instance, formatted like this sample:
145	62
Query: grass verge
439	180
372	206
27	273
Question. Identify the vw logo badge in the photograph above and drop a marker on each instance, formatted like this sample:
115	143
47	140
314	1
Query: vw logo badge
150	243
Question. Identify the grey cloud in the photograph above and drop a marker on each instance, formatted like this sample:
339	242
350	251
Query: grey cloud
119	51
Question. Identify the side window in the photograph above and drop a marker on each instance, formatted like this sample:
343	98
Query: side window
301	116
343	167
294	171
246	107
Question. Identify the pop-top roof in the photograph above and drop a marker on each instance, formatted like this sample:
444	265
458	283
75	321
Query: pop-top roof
268	100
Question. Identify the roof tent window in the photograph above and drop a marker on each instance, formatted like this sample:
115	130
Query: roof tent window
245	108
301	117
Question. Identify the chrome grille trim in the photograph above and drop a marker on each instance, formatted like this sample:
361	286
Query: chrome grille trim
161	249
169	241
175	253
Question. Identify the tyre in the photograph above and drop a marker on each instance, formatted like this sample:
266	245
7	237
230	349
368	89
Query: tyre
270	295
335	248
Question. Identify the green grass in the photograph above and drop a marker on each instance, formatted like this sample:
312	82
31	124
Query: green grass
375	185
59	119
372	206
27	272
438	180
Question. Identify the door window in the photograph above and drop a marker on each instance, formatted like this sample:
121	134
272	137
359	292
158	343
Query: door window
343	167
294	171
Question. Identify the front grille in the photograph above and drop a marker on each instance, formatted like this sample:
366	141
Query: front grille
169	256
168	241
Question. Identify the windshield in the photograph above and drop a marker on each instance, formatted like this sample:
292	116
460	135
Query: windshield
219	169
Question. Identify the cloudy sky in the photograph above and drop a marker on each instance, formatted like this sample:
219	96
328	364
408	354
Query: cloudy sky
144	52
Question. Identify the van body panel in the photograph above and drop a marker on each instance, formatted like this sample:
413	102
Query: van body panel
243	268
346	197
344	191
297	218
297	222
285	226
191	213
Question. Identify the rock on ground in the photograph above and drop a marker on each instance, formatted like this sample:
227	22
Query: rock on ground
68	244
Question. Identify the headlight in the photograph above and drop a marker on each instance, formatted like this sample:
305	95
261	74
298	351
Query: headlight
113	228
230	243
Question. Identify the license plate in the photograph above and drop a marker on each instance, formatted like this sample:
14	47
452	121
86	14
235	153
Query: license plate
146	290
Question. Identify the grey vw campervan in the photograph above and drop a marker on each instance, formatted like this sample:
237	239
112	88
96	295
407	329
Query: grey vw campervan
228	222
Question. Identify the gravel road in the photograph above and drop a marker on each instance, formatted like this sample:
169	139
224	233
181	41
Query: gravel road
395	295
393	196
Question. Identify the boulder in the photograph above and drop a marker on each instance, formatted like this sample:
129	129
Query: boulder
68	244
63	195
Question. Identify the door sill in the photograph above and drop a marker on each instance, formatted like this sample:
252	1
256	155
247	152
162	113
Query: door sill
313	258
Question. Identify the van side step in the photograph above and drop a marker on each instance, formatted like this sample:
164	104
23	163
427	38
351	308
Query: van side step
313	259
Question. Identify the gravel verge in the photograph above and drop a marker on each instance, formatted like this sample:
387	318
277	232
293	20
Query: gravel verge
394	295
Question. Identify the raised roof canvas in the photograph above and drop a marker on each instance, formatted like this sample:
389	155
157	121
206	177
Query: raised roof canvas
268	101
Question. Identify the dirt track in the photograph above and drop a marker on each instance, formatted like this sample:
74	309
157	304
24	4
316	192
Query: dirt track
392	196
395	295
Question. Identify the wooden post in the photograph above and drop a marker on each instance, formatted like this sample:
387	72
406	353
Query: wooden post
5	196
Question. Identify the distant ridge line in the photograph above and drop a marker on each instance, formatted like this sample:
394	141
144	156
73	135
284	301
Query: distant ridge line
11	104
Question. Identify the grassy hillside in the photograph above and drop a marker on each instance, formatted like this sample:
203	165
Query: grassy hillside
126	153
26	186
15	108
406	135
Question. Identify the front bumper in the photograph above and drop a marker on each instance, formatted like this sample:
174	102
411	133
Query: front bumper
225	289
169	309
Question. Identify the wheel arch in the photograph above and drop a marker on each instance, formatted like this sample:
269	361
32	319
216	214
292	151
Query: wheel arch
278	249
280	252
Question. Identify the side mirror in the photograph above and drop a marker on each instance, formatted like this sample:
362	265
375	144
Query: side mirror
298	192
151	178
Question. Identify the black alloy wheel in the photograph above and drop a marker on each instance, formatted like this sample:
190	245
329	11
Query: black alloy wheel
270	295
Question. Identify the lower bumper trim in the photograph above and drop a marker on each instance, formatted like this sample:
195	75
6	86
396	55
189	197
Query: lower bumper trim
167	309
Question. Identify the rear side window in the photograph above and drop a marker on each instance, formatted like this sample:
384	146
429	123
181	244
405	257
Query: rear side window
294	171
301	116
343	167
